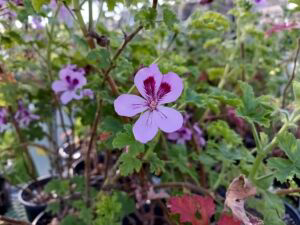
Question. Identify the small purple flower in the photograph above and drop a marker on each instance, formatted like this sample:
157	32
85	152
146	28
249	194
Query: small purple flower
156	89
5	12
199	135
37	23
23	116
70	83
3	119
181	136
88	92
63	15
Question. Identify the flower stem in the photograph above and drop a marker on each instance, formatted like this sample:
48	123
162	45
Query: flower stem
265	151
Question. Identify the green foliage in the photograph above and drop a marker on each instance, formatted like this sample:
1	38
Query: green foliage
253	109
147	17
169	18
129	160
209	20
286	168
270	206
99	57
37	4
71	220
60	187
296	90
179	160
220	129
108	210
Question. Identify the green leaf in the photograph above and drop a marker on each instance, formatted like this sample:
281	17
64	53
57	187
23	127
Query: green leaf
108	209
60	187
156	164
253	109
290	145
129	164
71	220
128	204
169	17
111	124
209	20
99	57
146	16
296	90
270	206
284	168
129	160
37	4
220	129
111	4
126	138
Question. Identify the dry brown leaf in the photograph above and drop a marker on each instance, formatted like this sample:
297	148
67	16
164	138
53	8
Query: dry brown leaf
238	191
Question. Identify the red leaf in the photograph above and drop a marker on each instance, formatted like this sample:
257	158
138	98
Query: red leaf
187	206
227	219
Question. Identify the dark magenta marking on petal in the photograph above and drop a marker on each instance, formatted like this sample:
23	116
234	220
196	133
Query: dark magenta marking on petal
68	79
164	89
149	85
75	82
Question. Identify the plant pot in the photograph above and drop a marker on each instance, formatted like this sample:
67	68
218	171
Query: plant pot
78	169
292	215
151	213
33	209
73	149
43	218
4	196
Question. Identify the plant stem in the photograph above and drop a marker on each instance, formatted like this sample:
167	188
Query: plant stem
221	176
90	15
293	75
265	176
287	191
265	151
28	163
187	185
256	137
88	155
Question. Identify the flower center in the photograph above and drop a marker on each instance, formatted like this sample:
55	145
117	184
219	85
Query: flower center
153	105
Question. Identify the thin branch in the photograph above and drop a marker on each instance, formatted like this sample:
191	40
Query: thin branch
287	191
88	154
90	15
186	185
292	77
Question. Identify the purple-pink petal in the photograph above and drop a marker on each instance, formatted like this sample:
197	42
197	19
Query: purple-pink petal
147	80
58	86
173	136
145	127
176	87
168	119
88	92
66	97
129	105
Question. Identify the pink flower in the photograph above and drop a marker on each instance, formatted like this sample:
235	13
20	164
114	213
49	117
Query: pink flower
63	15
3	119
23	116
70	83
88	92
281	27
156	89
200	141
181	136
37	23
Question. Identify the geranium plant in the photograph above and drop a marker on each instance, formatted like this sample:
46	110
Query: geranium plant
151	112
